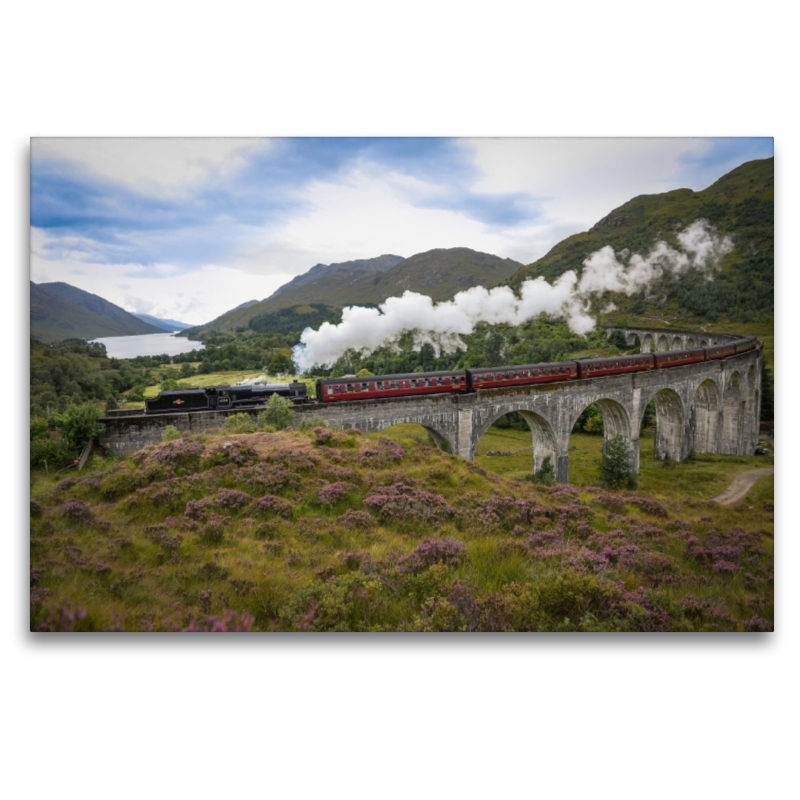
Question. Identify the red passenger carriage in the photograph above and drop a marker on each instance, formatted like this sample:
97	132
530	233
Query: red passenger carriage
374	386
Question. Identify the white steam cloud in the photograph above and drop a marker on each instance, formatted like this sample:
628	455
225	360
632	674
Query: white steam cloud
442	324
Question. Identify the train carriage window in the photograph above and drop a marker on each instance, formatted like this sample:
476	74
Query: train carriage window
330	389
364	387
427	382
350	387
505	376
393	384
379	386
414	383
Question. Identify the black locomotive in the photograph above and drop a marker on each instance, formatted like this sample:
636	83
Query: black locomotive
211	398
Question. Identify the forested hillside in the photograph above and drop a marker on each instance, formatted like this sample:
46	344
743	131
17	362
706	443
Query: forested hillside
740	204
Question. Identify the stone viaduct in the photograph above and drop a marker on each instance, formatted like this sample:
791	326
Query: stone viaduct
713	407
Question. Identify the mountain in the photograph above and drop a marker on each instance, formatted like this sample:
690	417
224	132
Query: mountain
60	311
438	273
331	276
739	204
165	324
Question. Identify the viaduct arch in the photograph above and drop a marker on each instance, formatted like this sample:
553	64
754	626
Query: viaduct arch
712	406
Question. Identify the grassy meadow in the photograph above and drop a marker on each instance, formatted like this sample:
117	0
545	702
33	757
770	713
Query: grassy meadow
341	531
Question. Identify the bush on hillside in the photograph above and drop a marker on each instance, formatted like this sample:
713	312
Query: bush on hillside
615	469
79	424
279	413
239	423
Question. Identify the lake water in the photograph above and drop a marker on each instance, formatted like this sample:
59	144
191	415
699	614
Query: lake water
149	344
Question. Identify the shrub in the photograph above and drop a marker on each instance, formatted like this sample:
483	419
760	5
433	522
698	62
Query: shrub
214	530
279	413
79	424
170	434
545	474
307	423
333	493
54	453
615	469
449	552
111	403
239	423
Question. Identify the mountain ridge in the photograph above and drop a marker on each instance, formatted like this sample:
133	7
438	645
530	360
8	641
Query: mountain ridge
61	311
439	273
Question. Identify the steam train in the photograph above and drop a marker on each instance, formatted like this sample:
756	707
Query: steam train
332	390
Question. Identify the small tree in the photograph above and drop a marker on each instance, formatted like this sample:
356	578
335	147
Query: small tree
79	424
364	373
111	403
279	413
169	383
545	474
615	469
170	434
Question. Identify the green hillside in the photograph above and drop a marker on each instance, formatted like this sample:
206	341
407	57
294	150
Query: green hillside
740	204
438	273
60	311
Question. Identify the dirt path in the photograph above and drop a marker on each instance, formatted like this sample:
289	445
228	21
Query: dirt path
741	485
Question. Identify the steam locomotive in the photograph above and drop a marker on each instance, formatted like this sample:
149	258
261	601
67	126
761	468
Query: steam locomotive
212	398
333	390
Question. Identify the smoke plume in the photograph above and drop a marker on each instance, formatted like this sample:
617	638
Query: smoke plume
570	297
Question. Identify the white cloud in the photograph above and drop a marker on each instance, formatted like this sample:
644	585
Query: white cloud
153	165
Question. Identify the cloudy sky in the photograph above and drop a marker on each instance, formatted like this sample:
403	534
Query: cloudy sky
190	228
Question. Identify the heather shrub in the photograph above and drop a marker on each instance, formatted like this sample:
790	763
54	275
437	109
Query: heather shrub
356	519
232	499
279	413
386	454
77	511
271	505
407	506
323	437
234	453
170	434
334	493
214	530
177	453
239	423
449	552
270	478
